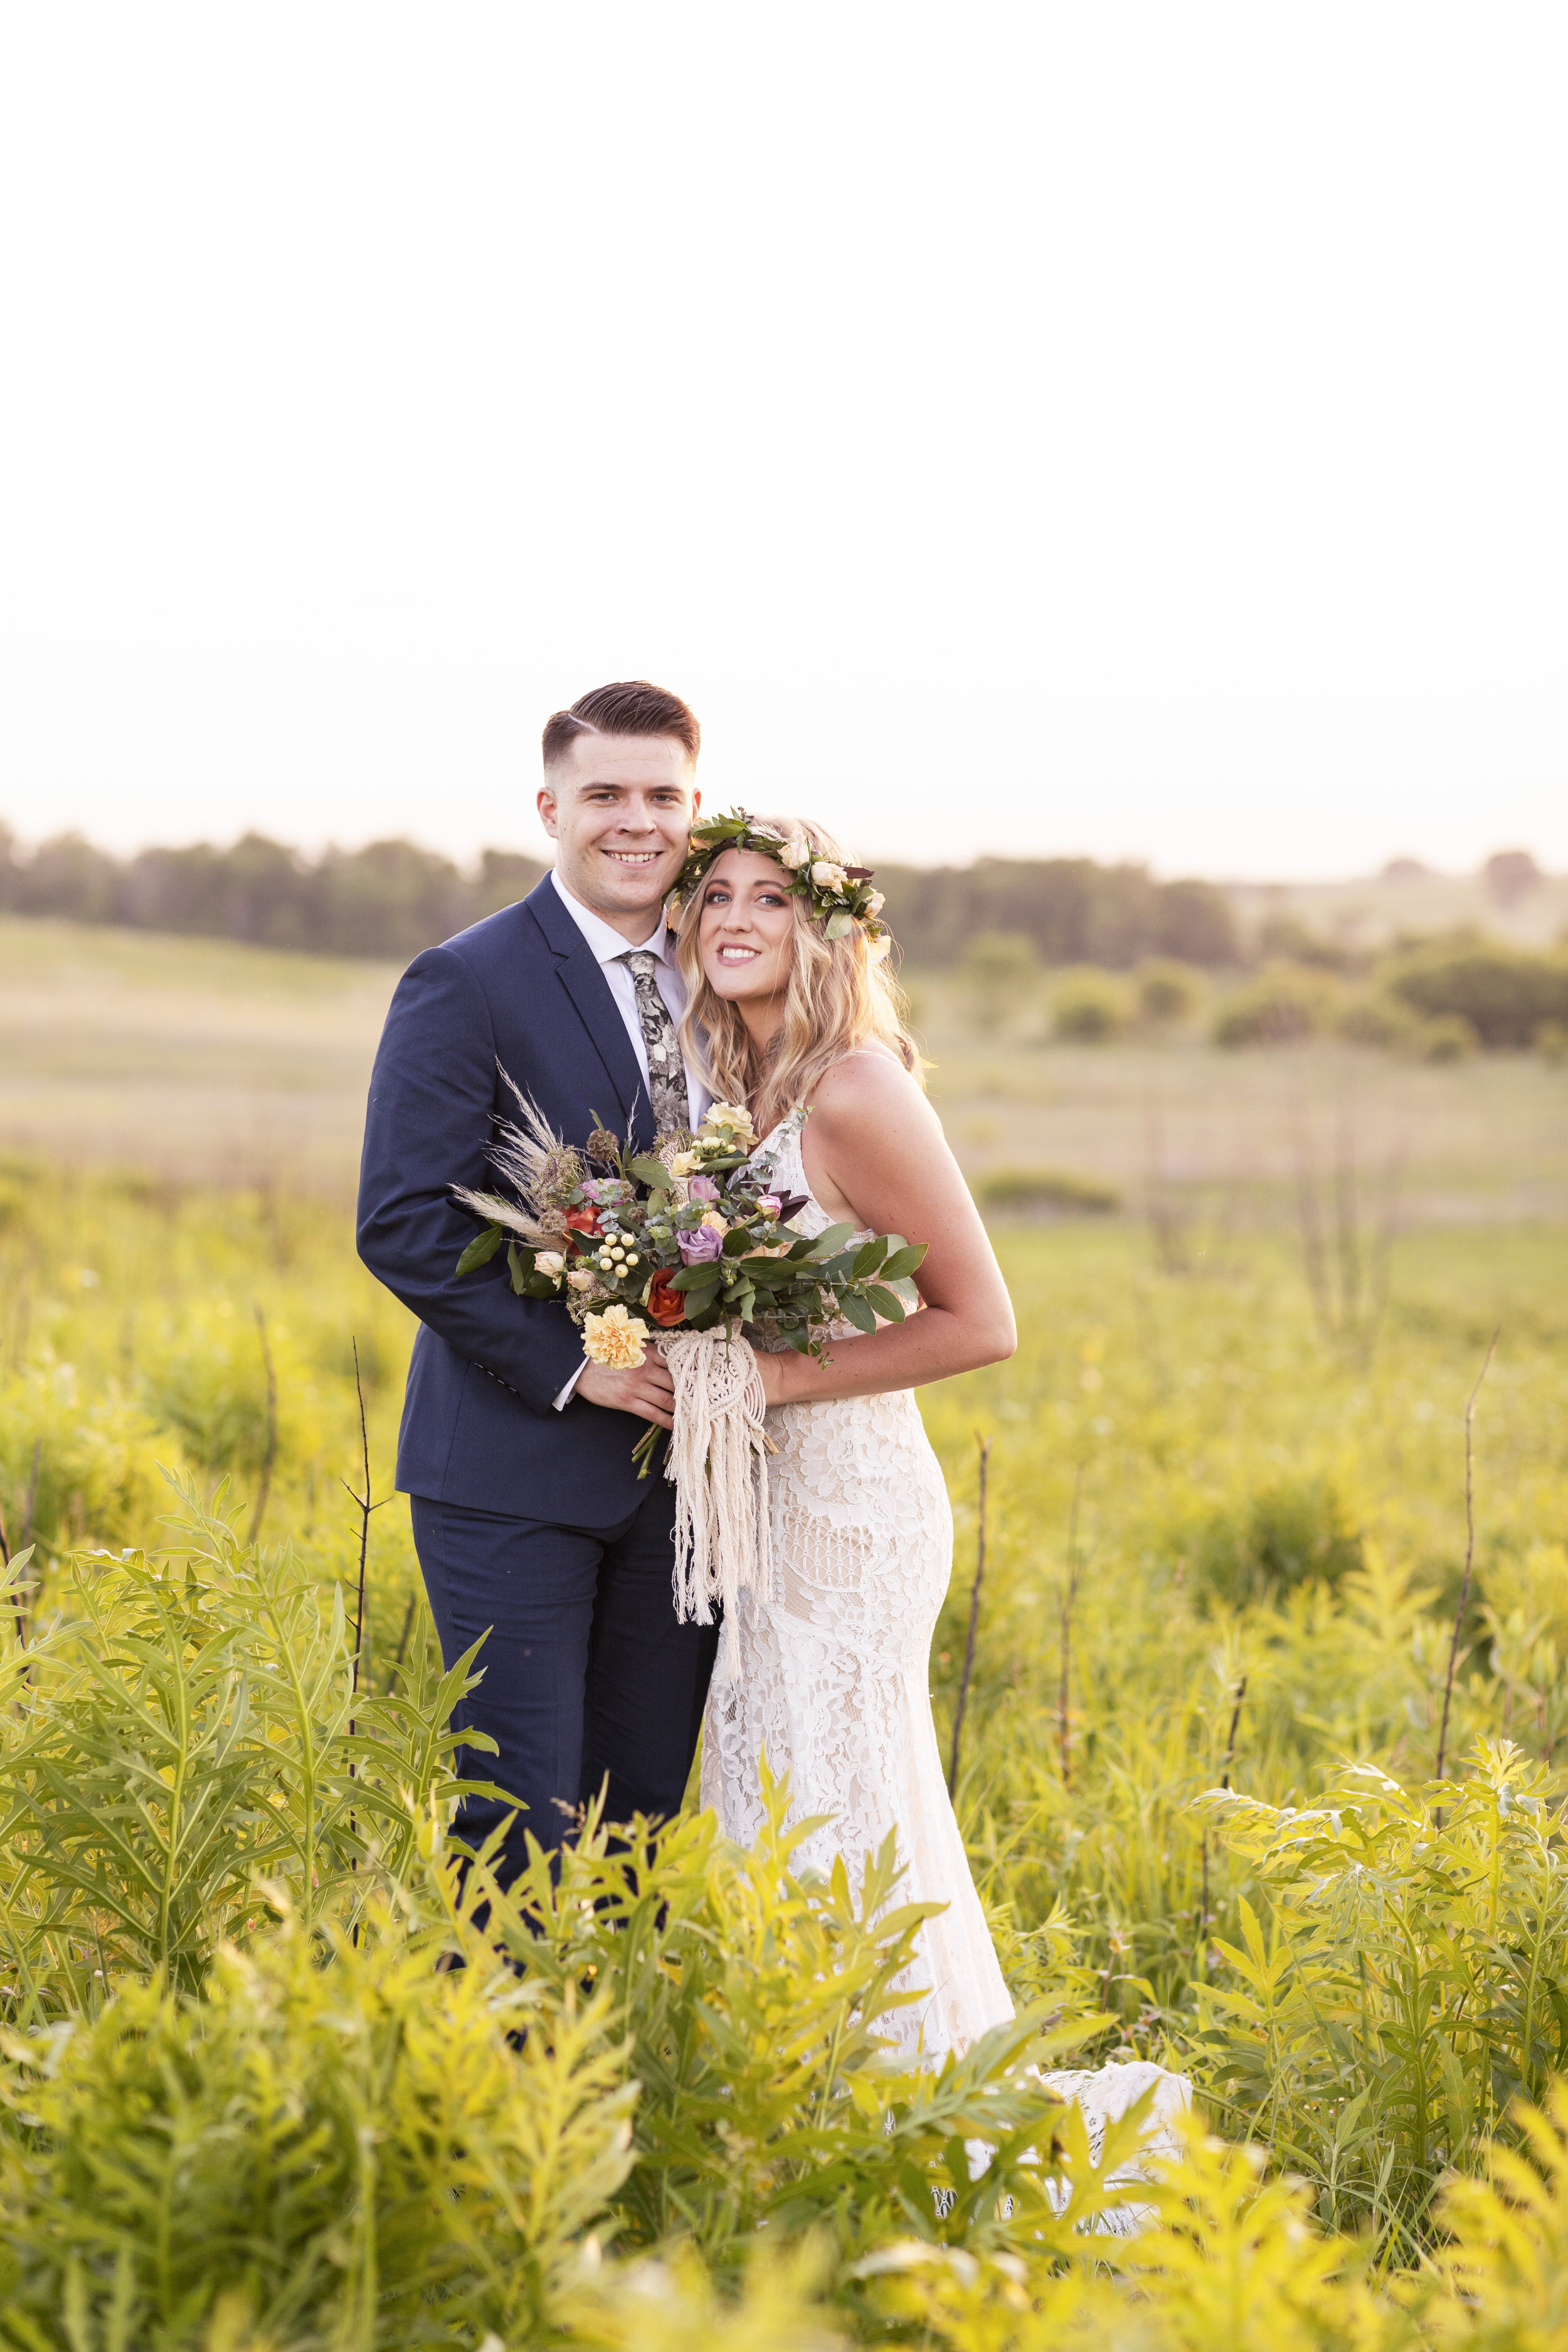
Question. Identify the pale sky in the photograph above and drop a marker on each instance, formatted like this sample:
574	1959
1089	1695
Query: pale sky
1135	430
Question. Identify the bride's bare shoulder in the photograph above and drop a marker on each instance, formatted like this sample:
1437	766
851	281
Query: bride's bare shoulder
869	1084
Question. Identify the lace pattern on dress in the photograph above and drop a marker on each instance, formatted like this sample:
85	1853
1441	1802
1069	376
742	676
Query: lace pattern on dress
832	1682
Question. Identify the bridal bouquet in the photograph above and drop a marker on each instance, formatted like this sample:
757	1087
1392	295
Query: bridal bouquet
689	1249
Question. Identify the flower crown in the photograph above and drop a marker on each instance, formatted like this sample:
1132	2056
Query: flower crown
839	896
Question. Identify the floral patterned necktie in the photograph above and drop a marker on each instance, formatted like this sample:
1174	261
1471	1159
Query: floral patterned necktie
665	1070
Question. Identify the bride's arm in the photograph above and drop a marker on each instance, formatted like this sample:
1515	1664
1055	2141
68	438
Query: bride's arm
876	1146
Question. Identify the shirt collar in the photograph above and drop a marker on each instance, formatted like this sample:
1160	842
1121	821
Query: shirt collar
607	944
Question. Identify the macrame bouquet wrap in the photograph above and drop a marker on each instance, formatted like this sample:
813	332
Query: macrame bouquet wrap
715	1462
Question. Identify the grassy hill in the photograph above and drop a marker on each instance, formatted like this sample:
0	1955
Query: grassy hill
213	1061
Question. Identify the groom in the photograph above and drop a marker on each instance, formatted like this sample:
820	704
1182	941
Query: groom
529	1518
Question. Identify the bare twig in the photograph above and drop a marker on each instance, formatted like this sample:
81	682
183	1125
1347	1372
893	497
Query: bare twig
270	1457
984	1445
32	1492
6	1563
366	1507
1469	1547
1229	1759
1069	1595
1235	1721
403	1642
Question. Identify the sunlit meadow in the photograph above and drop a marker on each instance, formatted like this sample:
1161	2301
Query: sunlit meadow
1225	1549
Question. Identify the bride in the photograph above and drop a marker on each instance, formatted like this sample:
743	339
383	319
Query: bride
833	1663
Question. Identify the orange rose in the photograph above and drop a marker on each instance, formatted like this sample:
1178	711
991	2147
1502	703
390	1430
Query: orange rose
583	1220
667	1306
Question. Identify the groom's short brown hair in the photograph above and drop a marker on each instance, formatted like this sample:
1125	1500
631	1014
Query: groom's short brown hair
631	708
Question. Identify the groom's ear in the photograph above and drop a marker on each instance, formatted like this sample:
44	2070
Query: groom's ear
546	806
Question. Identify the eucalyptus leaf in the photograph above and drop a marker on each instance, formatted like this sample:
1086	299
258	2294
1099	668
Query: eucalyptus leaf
830	1240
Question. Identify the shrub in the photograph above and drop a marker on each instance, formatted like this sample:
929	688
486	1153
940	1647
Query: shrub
192	1733
1552	1040
1283	1536
1090	1007
1286	940
1282	1005
1413	1982
1043	1191
1374	1019
999	976
1167	991
363	2152
1450	1038
1504	992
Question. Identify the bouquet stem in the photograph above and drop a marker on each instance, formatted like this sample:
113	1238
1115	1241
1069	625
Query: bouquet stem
646	1447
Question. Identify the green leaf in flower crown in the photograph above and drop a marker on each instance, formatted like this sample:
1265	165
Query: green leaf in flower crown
837	925
481	1250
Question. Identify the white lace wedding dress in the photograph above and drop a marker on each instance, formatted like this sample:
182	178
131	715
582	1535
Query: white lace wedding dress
833	1685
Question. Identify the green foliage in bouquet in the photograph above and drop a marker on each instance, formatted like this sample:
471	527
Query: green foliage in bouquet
695	1233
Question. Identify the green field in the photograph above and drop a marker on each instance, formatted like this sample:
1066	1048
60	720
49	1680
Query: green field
1226	1540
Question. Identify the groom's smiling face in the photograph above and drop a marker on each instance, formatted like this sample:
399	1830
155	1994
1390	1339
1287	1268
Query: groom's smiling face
619	809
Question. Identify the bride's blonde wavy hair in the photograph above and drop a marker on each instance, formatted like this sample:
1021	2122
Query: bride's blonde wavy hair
837	1000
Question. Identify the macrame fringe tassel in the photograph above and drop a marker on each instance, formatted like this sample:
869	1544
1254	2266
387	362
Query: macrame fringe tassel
715	1462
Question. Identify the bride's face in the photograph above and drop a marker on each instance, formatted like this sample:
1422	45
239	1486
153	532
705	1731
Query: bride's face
745	933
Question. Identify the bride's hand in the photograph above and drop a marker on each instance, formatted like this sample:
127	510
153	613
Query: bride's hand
772	1373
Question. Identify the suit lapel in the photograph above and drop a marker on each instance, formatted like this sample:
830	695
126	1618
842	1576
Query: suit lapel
578	970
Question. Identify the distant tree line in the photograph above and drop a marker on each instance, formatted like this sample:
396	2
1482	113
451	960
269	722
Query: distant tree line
392	899
1070	908
389	899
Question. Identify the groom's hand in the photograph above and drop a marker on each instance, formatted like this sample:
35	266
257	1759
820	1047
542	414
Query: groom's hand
648	1390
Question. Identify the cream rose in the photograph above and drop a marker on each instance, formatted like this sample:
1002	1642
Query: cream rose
582	1280
550	1262
731	1119
796	852
828	876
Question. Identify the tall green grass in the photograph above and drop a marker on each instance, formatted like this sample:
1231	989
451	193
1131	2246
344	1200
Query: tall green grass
250	2099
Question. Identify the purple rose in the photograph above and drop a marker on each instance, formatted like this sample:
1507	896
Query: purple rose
702	1245
702	1188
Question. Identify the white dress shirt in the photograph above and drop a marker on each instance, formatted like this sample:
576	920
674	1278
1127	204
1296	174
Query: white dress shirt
608	947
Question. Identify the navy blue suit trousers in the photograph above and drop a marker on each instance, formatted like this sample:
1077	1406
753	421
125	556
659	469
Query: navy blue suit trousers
589	1683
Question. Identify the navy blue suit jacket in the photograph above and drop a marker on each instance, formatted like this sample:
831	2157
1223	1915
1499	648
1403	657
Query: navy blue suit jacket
520	992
